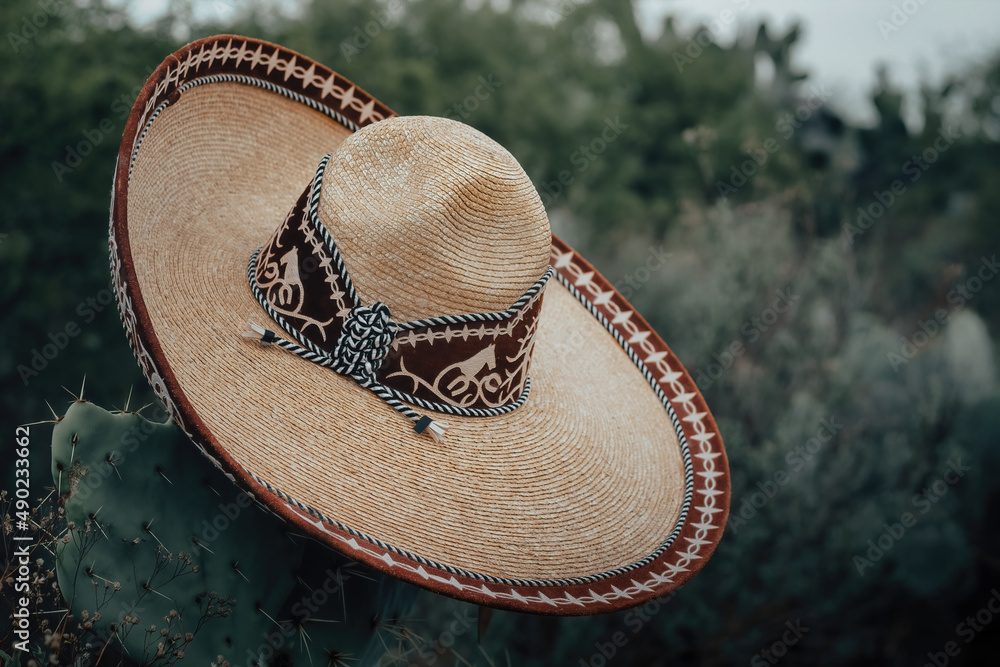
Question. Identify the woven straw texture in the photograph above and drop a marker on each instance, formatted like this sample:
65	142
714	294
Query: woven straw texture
434	218
584	478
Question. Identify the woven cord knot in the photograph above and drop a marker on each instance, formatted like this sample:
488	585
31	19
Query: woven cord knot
364	341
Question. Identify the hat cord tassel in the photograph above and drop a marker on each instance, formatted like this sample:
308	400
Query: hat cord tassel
423	423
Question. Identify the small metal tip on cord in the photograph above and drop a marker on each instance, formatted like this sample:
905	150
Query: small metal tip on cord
424	423
258	333
436	429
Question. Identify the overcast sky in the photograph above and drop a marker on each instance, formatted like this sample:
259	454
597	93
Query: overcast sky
844	39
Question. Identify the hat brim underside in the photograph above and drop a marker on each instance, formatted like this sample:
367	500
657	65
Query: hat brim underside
608	487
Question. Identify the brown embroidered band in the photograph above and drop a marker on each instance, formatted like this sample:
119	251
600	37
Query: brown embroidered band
473	365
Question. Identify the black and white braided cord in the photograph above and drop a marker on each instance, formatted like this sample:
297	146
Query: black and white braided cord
308	350
316	355
246	81
312	352
469	318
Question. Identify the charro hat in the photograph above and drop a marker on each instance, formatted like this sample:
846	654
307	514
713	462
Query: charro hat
365	322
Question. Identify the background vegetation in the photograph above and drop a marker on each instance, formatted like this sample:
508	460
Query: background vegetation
889	336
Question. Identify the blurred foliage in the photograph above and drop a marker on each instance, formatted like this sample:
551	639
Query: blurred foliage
690	116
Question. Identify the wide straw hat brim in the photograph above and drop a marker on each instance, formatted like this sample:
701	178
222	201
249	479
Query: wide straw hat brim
610	486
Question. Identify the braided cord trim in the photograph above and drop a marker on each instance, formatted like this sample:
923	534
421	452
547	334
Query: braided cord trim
246	81
368	331
311	352
331	247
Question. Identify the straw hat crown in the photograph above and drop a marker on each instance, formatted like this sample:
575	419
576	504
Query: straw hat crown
433	217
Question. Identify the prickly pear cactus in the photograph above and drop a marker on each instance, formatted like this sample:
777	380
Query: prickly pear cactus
170	561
